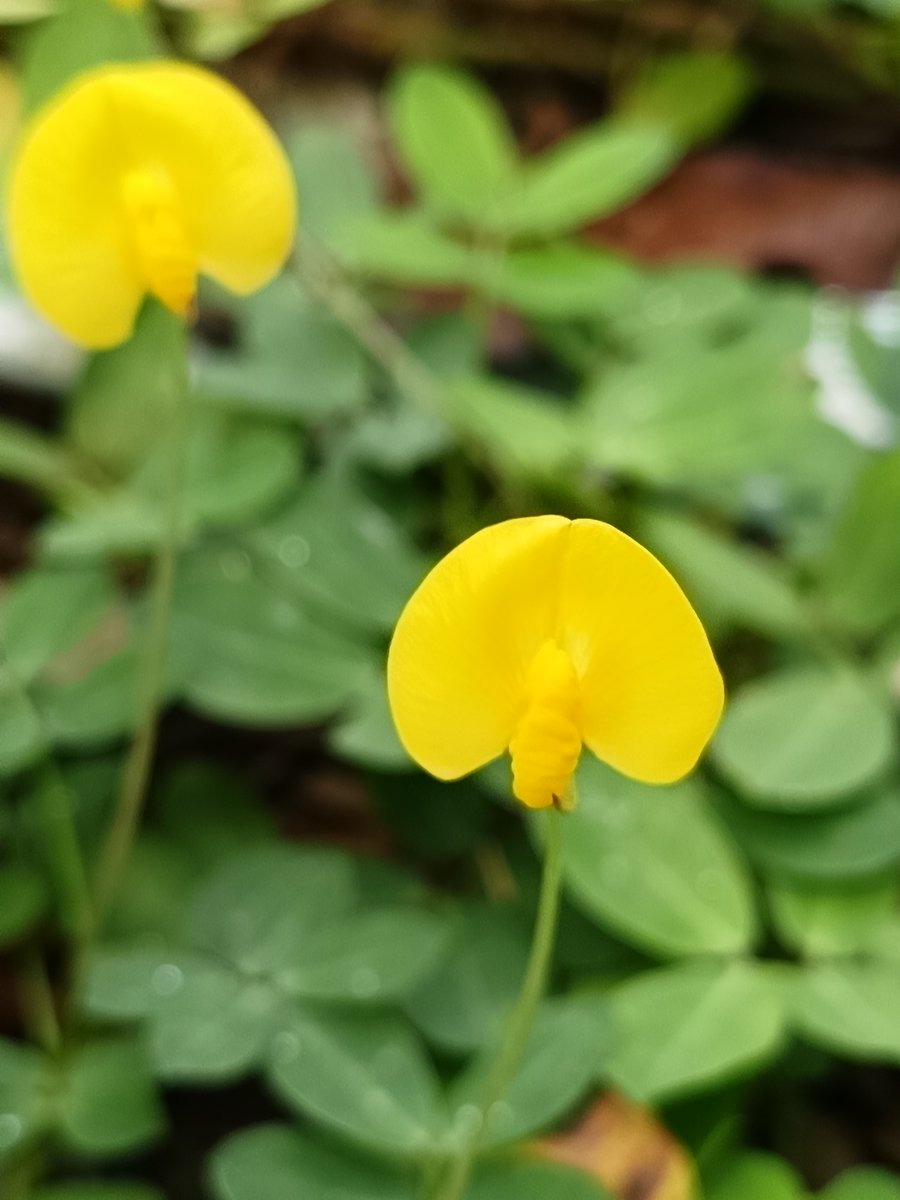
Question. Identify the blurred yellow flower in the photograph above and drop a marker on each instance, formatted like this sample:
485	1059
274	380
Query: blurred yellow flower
539	634
134	180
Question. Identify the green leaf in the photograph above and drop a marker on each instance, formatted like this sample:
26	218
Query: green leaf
376	956
208	1025
557	1068
154	891
693	96
292	360
122	979
236	469
23	900
336	549
398	439
522	429
212	814
24	1108
47	611
247	651
334	180
454	140
700	419
695	306
591	174
98	707
534	1181
23	738
850	1008
275	1162
16	12
844	843
874	358
118	523
121	405
805	738
431	818
205	1022
727	582
218	35
405	248
77	37
566	280
827	920
863	1183
682	1029
367	1078
108	1105
38	461
99	1189
403	434
757	1177
461	1008
257	911
861	572
365	735
654	865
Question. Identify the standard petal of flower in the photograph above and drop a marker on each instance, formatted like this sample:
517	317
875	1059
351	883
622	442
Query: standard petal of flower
651	691
65	227
229	169
465	640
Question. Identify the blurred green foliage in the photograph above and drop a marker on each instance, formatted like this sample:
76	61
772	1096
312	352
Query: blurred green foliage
710	928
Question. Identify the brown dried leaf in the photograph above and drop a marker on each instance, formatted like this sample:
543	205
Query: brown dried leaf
835	224
627	1150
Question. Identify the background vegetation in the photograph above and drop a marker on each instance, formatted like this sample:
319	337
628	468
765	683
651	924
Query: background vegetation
315	944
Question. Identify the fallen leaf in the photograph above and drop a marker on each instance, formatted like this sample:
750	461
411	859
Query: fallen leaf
627	1150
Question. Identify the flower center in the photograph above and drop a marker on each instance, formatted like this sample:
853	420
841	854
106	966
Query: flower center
166	260
547	740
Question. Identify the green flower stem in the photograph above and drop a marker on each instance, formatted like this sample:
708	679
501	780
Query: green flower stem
521	1020
136	773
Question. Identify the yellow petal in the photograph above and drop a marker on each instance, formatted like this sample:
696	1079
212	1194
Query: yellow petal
229	169
465	641
68	241
68	223
651	692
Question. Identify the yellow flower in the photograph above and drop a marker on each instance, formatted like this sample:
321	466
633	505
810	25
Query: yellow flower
542	634
134	180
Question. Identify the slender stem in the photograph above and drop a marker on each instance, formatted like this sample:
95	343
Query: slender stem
38	1004
325	280
521	1019
136	772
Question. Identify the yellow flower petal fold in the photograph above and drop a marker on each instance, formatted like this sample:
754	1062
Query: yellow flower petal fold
133	181
541	634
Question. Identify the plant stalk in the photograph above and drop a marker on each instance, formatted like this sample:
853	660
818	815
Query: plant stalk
117	848
520	1022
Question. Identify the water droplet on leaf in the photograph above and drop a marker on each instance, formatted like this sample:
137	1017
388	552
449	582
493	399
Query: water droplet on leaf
294	550
10	1130
167	979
